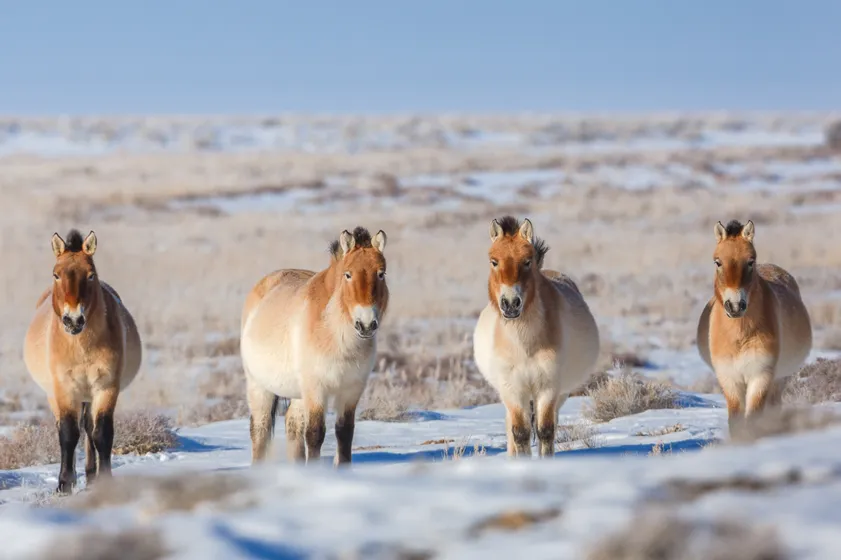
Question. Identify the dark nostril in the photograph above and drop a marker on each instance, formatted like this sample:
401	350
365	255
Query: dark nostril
374	325
359	326
743	305
516	303
66	320
81	321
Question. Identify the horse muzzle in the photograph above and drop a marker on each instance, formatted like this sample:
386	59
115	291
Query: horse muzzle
511	308
366	331
73	325
736	309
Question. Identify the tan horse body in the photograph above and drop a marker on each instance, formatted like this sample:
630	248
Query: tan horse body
82	348
311	337
536	340
755	329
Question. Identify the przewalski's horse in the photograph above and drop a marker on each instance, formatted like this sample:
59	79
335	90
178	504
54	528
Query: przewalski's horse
310	338
755	329
536	340
82	348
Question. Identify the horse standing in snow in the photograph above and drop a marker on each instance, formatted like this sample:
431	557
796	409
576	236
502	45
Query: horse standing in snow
536	340
82	348
312	337
755	329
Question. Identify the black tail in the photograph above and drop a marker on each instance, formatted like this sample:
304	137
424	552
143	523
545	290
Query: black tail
86	410
275	402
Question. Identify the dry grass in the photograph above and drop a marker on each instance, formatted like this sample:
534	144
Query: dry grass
664	535
464	449
815	383
205	413
406	380
776	421
185	278
135	432
578	434
99	544
625	394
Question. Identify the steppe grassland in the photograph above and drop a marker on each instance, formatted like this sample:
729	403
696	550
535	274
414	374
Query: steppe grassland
642	255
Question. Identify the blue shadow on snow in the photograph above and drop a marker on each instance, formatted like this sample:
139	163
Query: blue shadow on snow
254	548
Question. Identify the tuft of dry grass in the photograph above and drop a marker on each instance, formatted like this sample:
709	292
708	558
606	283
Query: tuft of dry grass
582	433
460	450
136	432
815	383
131	544
776	421
664	535
625	394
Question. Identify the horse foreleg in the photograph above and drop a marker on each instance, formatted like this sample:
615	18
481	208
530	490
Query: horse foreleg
66	412
519	430
102	410
296	449
547	422
758	390
345	424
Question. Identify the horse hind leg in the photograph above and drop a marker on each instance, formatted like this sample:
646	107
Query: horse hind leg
90	448
296	450
262	405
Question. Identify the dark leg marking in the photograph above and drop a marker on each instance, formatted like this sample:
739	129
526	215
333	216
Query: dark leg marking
68	438
103	439
315	432
345	424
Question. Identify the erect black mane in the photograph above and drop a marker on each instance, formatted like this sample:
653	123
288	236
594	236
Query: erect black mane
361	237
74	241
734	228
511	226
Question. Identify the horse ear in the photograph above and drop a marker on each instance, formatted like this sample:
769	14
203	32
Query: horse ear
58	245
346	242
720	232
748	231
379	241
527	231
496	230
89	244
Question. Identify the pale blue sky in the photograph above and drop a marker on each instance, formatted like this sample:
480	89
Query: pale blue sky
261	56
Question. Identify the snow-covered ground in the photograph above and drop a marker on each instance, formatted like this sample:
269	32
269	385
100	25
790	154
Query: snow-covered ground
402	495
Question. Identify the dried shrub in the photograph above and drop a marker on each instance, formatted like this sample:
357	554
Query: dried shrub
815	383
625	394
569	436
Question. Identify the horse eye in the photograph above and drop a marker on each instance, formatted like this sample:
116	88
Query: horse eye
347	275
494	263
751	263
717	262
527	263
381	274
90	277
55	275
